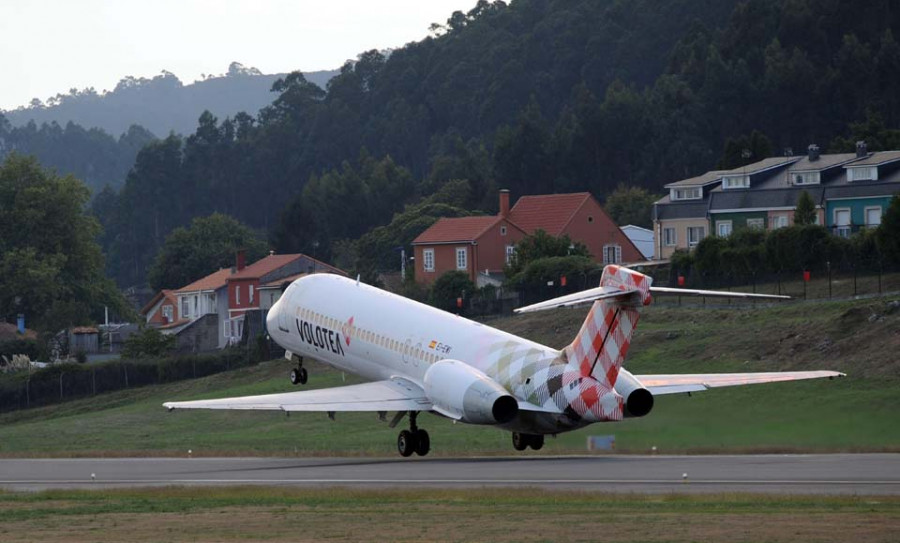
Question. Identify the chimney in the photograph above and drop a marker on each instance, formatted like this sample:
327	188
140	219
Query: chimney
813	151
241	260
861	149
504	202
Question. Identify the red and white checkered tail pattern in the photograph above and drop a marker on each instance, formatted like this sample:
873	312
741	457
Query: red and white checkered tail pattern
602	343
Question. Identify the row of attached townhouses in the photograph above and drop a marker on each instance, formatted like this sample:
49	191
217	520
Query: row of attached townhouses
851	191
212	312
481	246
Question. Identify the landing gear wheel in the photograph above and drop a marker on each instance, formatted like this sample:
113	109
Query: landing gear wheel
406	443
295	376
520	441
423	442
304	376
536	442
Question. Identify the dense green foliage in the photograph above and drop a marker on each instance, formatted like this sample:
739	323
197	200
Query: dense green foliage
805	213
888	233
749	254
542	245
91	155
448	288
208	244
161	103
536	96
50	263
631	205
150	343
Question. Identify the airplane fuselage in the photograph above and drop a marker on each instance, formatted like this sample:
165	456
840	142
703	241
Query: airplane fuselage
378	335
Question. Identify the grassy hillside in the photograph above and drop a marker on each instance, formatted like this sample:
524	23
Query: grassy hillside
858	413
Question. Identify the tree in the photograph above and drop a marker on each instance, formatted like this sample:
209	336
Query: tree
630	205
805	213
888	233
149	342
542	245
50	264
448	287
209	244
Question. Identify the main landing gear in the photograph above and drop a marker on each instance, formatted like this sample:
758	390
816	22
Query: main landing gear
523	441
299	376
414	440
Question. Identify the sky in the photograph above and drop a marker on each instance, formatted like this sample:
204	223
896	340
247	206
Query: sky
50	46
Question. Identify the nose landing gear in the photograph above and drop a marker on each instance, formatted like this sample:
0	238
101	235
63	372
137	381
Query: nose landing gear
299	376
414	440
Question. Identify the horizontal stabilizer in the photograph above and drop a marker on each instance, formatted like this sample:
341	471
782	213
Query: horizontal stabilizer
715	293
678	383
585	296
392	395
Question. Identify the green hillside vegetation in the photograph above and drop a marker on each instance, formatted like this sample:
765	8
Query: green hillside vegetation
857	413
537	96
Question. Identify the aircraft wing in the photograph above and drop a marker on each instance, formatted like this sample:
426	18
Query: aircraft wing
590	295
391	395
697	382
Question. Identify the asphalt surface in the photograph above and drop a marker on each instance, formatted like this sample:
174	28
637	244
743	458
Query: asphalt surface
784	474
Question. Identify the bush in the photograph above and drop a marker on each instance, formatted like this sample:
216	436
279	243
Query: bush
149	342
28	347
448	287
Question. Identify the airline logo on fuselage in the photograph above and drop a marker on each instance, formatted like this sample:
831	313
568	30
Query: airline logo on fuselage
321	337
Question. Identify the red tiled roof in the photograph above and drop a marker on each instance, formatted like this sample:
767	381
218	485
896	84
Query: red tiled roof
448	230
165	293
212	281
84	330
548	212
264	266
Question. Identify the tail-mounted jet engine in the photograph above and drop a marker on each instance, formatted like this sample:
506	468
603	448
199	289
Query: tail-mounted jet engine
638	400
459	391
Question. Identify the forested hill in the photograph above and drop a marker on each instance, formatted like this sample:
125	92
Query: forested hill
535	96
161	104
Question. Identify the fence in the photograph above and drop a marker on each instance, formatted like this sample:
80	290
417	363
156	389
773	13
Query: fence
62	382
842	280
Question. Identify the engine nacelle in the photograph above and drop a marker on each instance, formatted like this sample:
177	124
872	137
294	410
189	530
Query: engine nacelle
460	391
638	400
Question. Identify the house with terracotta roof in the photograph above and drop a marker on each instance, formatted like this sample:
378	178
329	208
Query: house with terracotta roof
477	246
581	217
162	310
481	246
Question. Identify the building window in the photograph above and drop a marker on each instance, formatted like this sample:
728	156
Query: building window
806	178
510	253
669	238
862	173
237	295
873	216
612	254
461	260
759	224
251	294
779	221
503	230
736	182
690	193
185	308
842	222
428	259
723	229
695	234
167	311
197	305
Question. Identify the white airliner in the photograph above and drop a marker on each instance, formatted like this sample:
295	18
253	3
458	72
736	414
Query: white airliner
423	359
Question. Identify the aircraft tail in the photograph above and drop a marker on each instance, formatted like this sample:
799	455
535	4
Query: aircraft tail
602	343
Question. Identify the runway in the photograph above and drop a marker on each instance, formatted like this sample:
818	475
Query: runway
783	474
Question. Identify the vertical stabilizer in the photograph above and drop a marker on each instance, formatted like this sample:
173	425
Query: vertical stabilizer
602	343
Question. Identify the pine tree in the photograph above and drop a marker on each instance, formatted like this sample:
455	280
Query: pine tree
806	210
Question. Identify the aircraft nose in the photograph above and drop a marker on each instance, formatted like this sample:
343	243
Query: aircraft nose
272	317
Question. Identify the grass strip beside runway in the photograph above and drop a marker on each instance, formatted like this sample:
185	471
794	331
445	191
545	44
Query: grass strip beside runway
336	514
